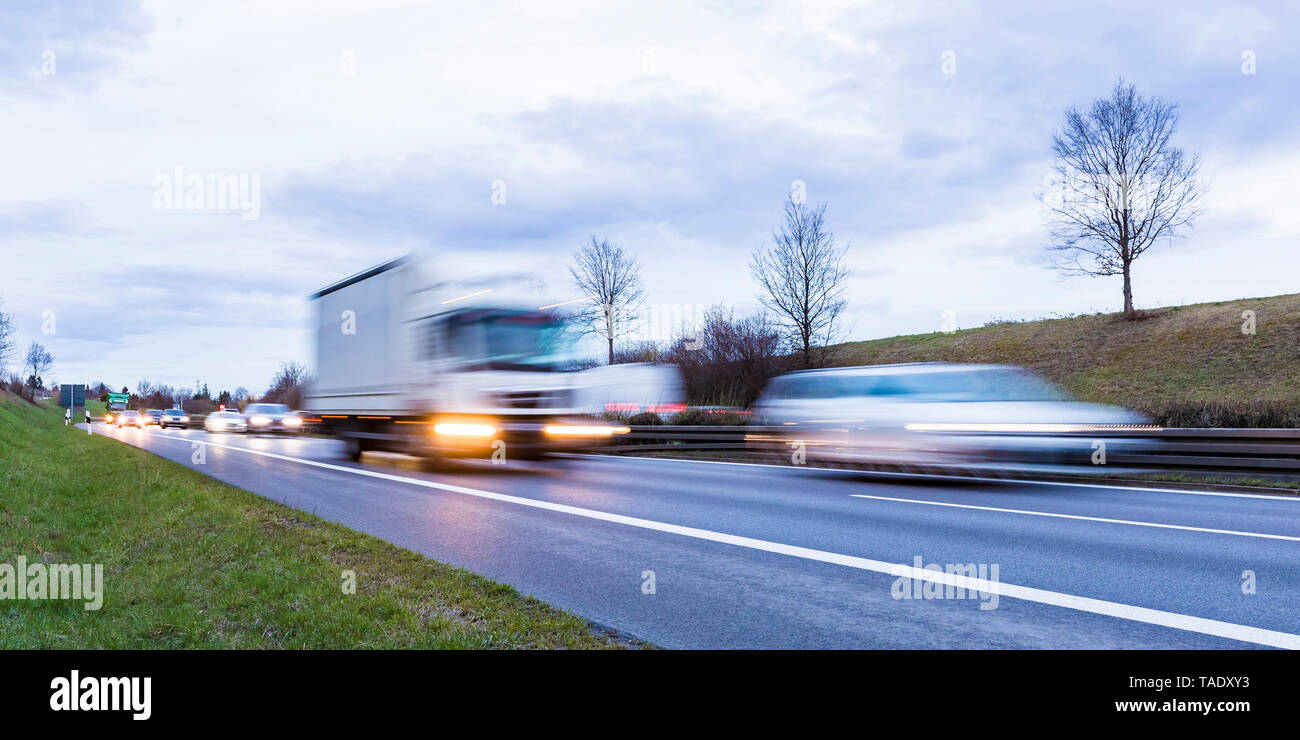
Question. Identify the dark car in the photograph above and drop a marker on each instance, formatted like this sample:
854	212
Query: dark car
151	416
174	418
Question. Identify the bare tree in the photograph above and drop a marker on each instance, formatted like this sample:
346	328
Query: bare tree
802	276
729	359
287	385
1120	185
37	361
290	374
8	346
611	278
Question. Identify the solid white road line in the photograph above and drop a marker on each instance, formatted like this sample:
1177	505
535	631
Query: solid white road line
950	478
1244	633
1080	517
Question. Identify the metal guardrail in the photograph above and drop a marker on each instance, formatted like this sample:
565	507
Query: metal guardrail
1259	450
1205	450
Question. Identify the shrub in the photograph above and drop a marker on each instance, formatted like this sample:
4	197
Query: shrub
645	418
1225	414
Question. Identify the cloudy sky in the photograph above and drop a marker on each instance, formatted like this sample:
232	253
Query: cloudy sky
375	129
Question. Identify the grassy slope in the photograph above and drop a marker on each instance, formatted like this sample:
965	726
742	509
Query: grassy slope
193	563
1194	354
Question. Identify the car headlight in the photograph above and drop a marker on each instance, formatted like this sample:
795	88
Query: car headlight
464	430
292	421
260	420
185	418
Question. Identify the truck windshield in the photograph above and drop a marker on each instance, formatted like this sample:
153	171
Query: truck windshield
512	341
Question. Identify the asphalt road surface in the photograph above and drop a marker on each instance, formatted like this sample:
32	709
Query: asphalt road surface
715	555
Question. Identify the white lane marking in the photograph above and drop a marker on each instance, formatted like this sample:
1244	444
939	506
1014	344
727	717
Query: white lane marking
1184	527
1213	627
950	478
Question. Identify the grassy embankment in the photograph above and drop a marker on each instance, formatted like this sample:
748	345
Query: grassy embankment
1185	365
193	563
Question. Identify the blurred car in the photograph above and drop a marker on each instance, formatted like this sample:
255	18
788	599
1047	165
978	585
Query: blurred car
152	416
227	420
129	418
940	414
174	418
272	417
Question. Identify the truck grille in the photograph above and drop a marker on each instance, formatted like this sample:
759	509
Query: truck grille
534	399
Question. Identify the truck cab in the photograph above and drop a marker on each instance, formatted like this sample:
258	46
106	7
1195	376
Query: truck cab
115	405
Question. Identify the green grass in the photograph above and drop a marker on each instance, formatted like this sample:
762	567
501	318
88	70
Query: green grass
193	563
1187	365
1252	480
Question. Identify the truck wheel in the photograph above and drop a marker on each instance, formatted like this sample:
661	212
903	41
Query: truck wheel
355	447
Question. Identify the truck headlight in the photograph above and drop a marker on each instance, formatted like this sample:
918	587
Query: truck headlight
579	430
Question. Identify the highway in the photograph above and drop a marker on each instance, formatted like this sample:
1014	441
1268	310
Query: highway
749	556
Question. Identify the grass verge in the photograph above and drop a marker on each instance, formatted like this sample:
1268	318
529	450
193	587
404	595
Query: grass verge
1229	363
193	563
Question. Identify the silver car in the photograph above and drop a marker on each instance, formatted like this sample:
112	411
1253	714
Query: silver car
225	421
272	417
174	418
941	414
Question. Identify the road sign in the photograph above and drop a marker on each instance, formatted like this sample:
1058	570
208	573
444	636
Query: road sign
72	394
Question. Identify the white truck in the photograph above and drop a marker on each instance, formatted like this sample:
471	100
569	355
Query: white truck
451	368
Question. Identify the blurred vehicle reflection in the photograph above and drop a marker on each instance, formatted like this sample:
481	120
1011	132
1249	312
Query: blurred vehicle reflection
942	414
